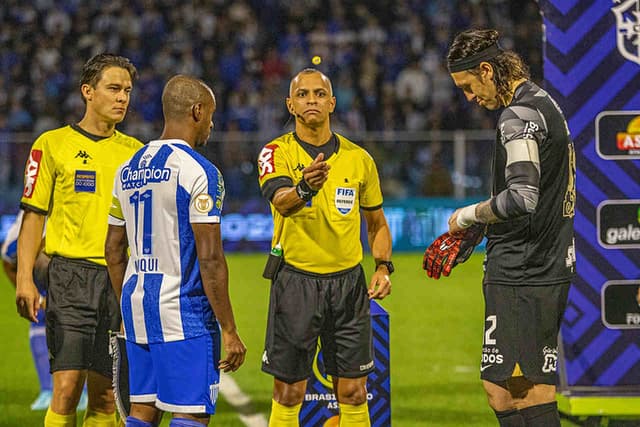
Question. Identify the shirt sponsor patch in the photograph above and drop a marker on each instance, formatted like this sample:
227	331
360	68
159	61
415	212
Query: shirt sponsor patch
31	173
345	199
85	181
203	203
266	162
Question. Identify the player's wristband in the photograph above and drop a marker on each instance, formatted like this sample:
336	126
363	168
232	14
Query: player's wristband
467	216
305	192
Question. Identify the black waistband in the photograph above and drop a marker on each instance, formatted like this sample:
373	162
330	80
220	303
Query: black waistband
78	261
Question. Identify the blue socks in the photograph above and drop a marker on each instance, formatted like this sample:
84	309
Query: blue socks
183	422
134	422
38	343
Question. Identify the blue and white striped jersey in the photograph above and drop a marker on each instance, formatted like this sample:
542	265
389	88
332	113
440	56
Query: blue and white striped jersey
10	245
157	194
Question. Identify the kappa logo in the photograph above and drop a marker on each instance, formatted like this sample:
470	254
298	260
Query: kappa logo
628	28
265	359
266	161
31	173
82	154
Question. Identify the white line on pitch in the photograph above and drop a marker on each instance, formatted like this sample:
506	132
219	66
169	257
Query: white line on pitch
240	402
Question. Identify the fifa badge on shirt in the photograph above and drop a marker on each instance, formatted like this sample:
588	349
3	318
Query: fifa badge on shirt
345	199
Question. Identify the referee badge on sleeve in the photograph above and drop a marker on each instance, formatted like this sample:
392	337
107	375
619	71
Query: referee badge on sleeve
345	199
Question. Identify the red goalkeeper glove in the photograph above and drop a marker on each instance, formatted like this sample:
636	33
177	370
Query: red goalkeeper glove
449	250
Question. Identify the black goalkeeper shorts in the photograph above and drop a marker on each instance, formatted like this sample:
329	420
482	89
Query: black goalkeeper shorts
81	310
304	306
521	326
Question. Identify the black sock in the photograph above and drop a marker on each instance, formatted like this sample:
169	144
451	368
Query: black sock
510	418
545	415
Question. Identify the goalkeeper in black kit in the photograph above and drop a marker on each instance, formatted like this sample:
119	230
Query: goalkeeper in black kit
530	258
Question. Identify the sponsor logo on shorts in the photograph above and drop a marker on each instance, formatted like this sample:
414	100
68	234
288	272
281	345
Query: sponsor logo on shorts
31	173
367	366
265	359
213	393
345	199
550	359
490	357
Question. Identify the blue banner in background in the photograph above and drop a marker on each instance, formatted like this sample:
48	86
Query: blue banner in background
414	224
592	69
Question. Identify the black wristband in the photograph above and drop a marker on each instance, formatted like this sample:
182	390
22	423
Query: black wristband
305	192
388	264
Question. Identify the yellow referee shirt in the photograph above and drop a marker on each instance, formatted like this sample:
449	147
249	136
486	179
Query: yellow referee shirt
69	176
324	236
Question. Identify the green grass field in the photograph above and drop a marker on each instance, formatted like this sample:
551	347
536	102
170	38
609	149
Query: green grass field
436	334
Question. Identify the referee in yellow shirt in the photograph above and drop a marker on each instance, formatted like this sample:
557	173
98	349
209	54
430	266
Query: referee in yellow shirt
318	182
69	178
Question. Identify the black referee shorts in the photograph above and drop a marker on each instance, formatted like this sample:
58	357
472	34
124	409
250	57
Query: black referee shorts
81	310
521	326
304	306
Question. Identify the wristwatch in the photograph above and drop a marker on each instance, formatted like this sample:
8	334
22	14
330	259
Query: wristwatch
387	264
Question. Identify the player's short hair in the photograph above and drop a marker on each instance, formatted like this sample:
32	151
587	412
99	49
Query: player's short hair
507	65
93	68
183	92
310	70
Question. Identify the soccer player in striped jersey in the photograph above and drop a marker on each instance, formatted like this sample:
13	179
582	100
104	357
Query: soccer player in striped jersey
37	337
318	184
68	181
173	288
530	251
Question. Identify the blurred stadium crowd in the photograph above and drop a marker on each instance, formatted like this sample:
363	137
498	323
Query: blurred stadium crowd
385	59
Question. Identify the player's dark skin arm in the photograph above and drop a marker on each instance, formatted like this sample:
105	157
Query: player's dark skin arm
115	253
379	237
10	270
215	281
286	199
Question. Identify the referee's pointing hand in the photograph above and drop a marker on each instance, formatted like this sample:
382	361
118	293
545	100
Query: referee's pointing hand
316	173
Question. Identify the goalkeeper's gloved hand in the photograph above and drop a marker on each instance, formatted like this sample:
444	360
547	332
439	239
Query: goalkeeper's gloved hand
449	250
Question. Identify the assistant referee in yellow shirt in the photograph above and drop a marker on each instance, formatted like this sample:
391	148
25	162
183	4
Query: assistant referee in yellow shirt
68	179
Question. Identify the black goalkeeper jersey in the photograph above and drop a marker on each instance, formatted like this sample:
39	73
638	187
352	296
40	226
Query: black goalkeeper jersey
537	248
